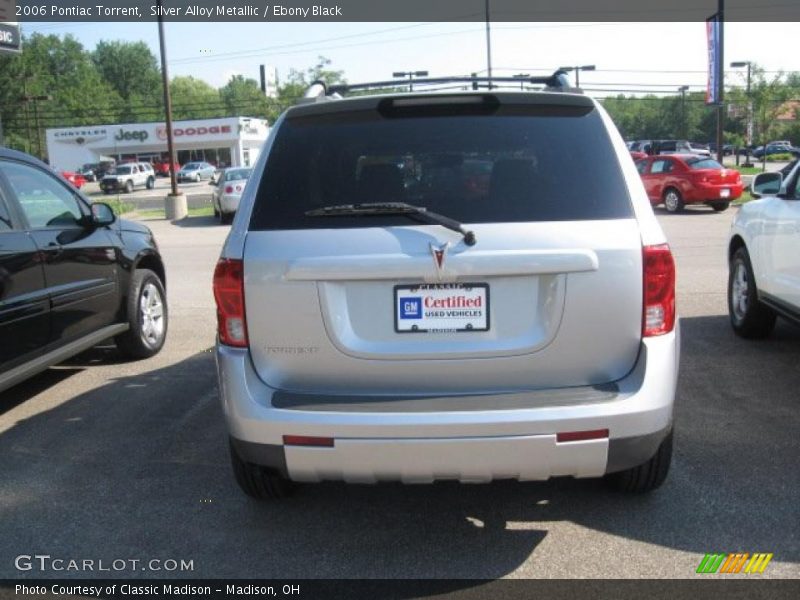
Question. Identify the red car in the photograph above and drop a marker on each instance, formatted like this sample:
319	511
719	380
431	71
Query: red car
161	167
680	179
75	179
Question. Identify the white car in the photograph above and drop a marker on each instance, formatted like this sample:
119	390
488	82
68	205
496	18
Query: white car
229	188
127	176
764	256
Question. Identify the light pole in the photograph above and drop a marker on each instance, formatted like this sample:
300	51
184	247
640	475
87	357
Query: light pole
410	75
683	89
749	132
488	45
578	72
522	78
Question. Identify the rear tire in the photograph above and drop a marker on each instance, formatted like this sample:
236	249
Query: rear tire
258	482
147	316
720	206
750	318
647	476
225	218
151	183
673	201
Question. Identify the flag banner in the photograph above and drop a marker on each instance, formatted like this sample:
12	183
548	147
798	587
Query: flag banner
712	34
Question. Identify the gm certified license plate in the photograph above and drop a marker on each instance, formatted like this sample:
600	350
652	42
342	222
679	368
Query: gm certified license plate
441	307
724	193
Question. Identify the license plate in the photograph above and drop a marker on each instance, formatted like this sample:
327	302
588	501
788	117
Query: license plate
724	193
441	307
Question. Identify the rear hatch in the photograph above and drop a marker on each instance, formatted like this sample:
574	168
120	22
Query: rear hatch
549	295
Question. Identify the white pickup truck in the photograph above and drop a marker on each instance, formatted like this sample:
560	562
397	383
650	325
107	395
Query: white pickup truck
764	255
127	176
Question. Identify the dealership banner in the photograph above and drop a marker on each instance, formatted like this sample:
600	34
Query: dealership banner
712	35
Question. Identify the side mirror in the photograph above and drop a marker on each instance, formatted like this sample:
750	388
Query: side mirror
766	184
102	214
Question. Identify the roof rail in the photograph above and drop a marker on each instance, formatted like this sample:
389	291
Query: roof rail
557	82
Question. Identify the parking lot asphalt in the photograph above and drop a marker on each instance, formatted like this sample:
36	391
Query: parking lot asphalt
102	459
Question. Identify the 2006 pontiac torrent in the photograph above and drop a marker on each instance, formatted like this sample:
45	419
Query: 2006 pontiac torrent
444	285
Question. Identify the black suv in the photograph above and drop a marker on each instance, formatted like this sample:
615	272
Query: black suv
71	274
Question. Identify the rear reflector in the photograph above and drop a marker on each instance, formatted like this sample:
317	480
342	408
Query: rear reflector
659	290
305	440
229	295
580	436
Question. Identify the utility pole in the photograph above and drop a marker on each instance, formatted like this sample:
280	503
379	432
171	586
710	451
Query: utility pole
35	101
167	101
410	75
578	72
488	46
683	89
749	131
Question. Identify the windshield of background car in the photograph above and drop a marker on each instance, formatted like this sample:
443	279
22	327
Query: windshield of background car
703	163
520	163
237	174
190	167
123	170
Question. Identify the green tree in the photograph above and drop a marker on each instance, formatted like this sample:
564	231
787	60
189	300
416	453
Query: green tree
132	71
297	82
61	70
194	99
243	97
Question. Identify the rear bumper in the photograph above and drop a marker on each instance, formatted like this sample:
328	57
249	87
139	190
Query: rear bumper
229	203
466	445
712	192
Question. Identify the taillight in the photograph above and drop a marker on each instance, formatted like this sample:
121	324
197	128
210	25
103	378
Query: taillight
229	295
659	290
229	190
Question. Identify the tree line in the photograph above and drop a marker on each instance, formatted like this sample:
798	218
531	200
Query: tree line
56	82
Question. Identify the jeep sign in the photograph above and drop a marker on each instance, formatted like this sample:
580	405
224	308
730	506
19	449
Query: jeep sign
138	136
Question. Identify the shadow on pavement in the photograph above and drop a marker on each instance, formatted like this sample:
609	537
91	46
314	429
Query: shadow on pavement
139	468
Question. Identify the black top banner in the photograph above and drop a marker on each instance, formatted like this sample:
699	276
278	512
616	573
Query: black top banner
399	10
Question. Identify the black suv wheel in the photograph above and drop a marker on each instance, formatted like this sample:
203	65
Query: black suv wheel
147	316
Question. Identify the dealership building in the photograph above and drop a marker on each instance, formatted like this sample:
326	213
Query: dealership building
233	141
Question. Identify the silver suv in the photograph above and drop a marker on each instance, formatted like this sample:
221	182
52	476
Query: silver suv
420	287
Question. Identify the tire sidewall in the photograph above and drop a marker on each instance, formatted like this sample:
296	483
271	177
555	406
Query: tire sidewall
142	278
678	205
741	257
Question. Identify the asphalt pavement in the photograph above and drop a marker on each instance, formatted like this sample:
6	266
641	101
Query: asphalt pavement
103	459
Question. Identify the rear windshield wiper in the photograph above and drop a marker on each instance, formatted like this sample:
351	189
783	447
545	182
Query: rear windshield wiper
394	208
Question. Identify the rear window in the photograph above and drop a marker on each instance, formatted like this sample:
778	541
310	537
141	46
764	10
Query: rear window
703	163
518	164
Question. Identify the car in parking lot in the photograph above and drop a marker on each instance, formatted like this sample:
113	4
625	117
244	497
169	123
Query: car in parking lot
125	177
375	323
679	179
71	274
678	147
161	167
228	190
195	171
75	179
764	256
773	149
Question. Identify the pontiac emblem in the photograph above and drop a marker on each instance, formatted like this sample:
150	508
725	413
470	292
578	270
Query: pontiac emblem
439	254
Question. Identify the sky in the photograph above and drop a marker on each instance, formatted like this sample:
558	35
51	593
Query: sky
658	57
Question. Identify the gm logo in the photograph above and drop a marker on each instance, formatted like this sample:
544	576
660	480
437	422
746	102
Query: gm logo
410	308
734	563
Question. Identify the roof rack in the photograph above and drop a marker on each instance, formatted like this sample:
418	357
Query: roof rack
557	82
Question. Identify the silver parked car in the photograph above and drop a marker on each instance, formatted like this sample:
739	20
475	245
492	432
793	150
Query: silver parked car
195	171
228	191
388	311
